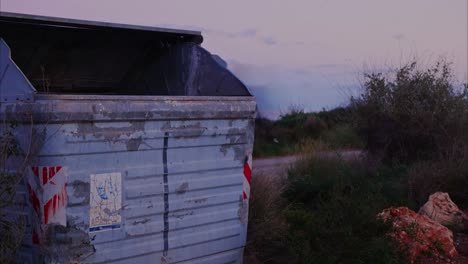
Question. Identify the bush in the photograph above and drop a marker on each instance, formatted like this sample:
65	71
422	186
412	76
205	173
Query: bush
285	136
342	136
11	226
414	115
314	127
445	175
332	218
336	116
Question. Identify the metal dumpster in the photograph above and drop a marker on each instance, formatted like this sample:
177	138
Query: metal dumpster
136	145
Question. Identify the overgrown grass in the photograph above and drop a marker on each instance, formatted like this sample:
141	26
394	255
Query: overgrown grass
326	212
412	123
332	211
267	230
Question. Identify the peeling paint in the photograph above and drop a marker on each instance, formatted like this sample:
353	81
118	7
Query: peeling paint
67	244
200	200
37	140
134	143
106	125
243	211
236	137
184	131
182	188
144	221
81	190
145	115
109	133
166	259
181	215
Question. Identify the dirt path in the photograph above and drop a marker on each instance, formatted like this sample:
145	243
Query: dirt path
278	165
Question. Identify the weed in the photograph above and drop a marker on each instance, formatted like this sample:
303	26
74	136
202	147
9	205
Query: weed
412	229
267	230
332	217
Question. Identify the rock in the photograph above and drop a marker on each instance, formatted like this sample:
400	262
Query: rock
418	235
443	210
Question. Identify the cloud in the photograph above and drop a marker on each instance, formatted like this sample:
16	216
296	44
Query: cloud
248	33
276	87
328	66
269	40
183	27
298	43
399	36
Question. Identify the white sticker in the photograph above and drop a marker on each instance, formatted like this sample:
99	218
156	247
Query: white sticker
105	201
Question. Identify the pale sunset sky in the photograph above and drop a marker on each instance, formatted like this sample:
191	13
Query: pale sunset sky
305	52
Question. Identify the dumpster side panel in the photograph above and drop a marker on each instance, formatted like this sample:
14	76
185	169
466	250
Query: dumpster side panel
148	179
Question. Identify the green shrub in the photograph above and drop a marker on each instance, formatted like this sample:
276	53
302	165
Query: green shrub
420	118
336	116
445	175
413	115
342	137
332	217
11	226
287	134
314	127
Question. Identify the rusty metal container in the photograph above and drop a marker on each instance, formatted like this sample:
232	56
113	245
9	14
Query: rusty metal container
119	178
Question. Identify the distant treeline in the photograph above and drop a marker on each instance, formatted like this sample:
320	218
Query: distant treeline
297	128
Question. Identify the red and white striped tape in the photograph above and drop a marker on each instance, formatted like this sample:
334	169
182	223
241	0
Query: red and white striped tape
48	193
247	176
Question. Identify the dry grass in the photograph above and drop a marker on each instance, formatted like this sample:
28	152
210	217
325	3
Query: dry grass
267	231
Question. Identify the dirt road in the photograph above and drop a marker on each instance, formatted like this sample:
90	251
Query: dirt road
279	165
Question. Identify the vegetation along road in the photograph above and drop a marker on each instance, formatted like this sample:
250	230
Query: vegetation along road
278	165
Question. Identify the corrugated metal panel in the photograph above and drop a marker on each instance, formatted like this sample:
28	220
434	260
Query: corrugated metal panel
181	162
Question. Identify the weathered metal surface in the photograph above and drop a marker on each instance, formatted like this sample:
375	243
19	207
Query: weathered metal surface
77	23
180	161
56	59
120	178
14	86
84	57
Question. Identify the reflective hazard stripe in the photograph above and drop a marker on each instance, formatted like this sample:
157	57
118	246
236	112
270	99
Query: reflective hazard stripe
247	176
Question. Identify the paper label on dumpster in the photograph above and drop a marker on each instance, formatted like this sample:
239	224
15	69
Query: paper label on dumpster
105	201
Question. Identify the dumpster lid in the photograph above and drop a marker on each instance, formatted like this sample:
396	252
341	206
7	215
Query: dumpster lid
46	21
59	55
68	56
